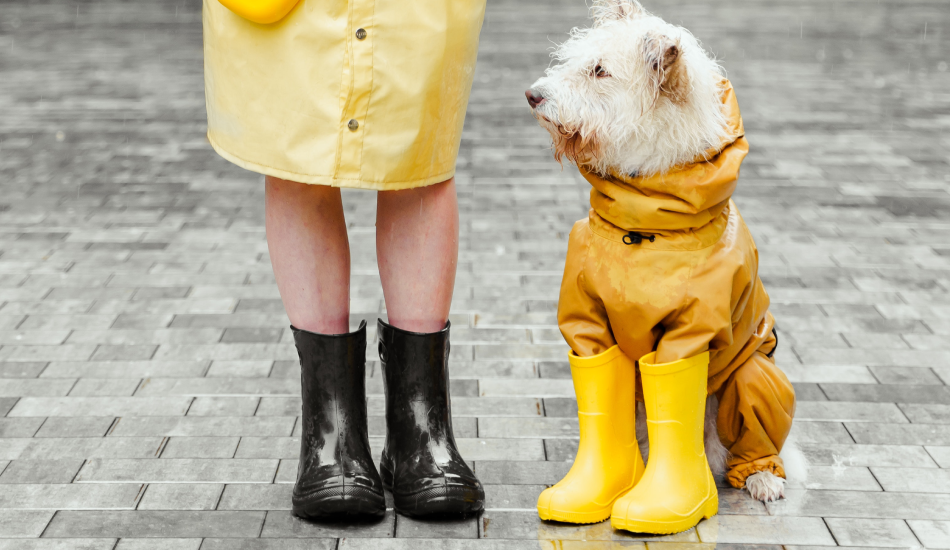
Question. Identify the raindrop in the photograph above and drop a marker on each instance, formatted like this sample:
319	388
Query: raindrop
60	136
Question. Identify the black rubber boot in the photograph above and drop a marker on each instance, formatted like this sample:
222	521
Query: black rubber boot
421	464
336	477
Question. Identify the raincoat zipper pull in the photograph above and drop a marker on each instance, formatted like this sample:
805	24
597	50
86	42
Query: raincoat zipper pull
636	238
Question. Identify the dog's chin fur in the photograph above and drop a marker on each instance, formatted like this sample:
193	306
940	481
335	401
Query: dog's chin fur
764	486
576	148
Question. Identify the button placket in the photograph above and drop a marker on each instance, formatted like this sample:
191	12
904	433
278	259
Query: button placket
361	48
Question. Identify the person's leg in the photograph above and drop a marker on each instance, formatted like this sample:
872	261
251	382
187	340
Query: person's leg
310	253
417	244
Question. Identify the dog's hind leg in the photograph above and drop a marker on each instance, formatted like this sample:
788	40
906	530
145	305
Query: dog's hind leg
716	453
643	440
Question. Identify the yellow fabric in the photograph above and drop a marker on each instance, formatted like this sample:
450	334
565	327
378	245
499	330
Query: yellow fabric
695	288
608	459
280	97
260	11
677	489
685	197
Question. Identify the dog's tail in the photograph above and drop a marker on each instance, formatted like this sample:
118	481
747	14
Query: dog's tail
796	465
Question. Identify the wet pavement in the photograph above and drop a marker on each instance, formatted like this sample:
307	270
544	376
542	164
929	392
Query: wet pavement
148	382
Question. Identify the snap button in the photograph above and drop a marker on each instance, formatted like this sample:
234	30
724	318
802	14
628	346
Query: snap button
352	124
360	34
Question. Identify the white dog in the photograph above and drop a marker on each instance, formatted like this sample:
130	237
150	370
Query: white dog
637	95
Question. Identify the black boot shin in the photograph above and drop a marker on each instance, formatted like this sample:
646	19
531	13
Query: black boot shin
336	476
421	464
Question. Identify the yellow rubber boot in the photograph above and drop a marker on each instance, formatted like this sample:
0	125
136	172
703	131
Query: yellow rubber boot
608	462
677	489
264	12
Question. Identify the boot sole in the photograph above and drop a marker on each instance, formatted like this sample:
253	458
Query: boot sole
708	510
575	517
444	501
340	502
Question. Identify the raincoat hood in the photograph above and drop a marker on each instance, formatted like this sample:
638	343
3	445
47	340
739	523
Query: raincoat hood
683	198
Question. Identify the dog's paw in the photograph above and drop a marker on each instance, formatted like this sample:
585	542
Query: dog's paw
765	486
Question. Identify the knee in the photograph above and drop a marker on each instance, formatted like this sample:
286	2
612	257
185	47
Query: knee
759	379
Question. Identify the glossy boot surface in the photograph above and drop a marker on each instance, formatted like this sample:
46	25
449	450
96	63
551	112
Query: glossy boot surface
677	489
421	464
336	477
608	462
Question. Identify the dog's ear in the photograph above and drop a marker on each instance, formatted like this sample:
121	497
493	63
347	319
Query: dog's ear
614	10
669	72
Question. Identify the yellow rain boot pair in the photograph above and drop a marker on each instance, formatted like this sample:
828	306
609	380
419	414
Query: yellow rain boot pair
608	462
677	490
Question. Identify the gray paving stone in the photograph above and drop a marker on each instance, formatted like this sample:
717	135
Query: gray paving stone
195	426
126	369
848	411
871	532
38	471
243	496
80	406
199	447
58	544
22	369
886	455
66	496
888	393
7	403
75	426
155	524
282	524
20	427
407	527
856	504
501	472
933	534
159	544
23	523
223	406
177	470
181	496
900	434
273	544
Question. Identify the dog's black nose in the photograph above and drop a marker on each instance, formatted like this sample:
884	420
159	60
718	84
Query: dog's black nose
534	98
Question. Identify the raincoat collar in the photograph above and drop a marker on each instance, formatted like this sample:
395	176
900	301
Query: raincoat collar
684	198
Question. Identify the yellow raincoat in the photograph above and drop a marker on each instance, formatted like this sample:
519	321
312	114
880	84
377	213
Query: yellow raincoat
685	281
349	93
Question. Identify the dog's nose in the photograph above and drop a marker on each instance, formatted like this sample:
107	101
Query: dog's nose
534	98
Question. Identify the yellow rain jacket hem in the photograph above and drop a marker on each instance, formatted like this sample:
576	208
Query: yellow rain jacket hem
328	180
368	94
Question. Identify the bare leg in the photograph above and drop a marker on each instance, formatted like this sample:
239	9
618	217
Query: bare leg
310	253
417	244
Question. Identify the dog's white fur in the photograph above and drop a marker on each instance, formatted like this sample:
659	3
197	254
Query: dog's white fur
635	94
645	117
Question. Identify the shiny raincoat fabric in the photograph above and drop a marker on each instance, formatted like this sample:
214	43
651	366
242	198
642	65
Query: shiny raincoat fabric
695	288
306	99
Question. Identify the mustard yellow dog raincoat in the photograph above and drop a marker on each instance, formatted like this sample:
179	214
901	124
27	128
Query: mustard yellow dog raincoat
666	262
348	93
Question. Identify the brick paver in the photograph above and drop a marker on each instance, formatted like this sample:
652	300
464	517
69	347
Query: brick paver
148	383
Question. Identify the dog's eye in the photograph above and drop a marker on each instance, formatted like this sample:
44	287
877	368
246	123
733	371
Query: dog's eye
600	72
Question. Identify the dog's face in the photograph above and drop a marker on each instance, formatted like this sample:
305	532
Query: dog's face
633	93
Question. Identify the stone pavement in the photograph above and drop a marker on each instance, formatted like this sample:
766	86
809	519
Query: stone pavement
148	384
